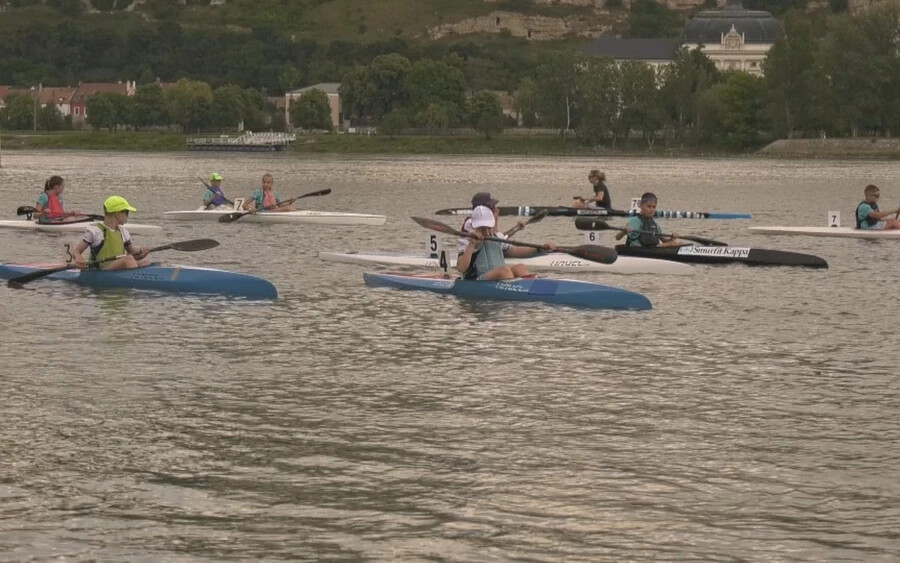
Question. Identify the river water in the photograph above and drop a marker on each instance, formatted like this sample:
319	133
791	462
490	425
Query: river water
753	414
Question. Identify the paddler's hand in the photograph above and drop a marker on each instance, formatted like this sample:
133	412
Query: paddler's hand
628	229
521	224
475	240
142	253
549	247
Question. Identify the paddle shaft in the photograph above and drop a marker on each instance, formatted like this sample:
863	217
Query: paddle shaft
597	225
531	220
29	210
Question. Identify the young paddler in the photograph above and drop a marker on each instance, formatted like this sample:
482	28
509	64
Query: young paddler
110	240
870	217
215	195
643	230
601	197
266	198
484	259
49	206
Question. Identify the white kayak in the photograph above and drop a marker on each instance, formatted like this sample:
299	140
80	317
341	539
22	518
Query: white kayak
299	217
840	232
553	261
80	226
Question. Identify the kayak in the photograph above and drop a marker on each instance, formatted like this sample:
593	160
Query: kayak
170	279
26	225
544	290
300	217
526	211
553	261
845	232
724	255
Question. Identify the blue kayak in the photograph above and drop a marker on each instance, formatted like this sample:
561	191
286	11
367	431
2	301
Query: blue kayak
171	279
545	290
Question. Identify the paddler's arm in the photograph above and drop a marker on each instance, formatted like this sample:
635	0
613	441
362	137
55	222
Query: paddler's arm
525	252
465	259
879	215
79	250
624	232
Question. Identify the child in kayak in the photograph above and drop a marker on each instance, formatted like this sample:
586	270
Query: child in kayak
601	197
215	195
109	240
49	206
869	217
486	199
643	230
266	198
484	259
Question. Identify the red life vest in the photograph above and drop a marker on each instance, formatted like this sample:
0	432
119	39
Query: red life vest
54	209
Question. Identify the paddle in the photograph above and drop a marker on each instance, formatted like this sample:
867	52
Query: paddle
590	252
184	246
585	224
234	216
208	187
29	210
531	220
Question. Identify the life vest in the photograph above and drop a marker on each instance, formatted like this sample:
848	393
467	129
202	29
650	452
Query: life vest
859	223
219	199
111	246
54	208
269	199
650	238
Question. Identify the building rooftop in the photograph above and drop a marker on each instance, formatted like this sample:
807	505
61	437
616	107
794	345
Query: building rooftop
642	49
708	26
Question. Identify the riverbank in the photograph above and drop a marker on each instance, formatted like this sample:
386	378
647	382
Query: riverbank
547	145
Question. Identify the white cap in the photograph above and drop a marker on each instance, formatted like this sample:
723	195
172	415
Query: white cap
482	217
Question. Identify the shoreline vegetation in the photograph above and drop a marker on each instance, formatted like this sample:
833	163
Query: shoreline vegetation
538	145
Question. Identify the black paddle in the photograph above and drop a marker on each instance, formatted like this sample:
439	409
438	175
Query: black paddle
234	216
533	219
185	246
588	224
29	210
208	187
590	252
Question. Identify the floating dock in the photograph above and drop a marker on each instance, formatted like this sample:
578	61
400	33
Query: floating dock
247	142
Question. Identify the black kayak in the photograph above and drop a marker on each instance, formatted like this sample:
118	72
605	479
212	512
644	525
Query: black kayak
696	254
526	211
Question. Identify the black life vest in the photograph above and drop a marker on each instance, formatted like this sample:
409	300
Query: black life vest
874	207
650	238
599	188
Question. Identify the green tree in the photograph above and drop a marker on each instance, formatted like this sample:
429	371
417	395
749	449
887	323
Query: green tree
741	96
485	113
227	109
649	18
639	101
527	102
189	104
436	118
19	112
49	118
257	109
101	112
598	100
790	76
312	110
683	82
150	107
373	91
288	78
438	82
393	123
557	92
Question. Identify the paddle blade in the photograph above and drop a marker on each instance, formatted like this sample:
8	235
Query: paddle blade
190	245
437	226
233	216
590	224
17	283
25	210
594	253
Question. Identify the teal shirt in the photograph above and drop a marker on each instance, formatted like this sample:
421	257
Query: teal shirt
258	197
489	257
634	239
862	213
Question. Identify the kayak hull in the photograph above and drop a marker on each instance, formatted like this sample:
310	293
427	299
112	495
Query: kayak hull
551	262
839	232
302	217
695	254
25	225
169	279
527	211
544	290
